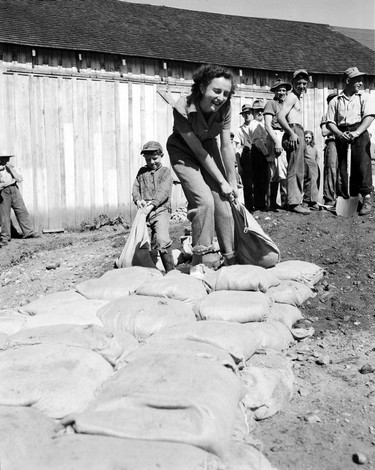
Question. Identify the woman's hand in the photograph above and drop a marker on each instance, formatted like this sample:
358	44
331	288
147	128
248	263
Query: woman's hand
228	191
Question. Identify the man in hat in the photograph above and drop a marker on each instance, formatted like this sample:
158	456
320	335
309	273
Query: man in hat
278	162
242	141
348	117
330	161
260	156
290	119
152	191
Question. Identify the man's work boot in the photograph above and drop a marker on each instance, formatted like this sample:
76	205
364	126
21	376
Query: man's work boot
366	206
167	259
299	209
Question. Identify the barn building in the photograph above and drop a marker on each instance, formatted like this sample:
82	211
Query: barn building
83	83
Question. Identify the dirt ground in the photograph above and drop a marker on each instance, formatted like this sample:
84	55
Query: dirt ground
332	414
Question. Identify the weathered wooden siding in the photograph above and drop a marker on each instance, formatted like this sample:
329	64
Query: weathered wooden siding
77	127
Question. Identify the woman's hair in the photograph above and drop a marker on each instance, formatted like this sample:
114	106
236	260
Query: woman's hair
312	137
204	75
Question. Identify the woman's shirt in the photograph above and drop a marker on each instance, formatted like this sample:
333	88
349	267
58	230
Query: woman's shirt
190	118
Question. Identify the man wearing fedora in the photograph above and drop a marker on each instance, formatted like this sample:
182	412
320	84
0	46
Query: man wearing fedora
277	161
290	119
243	143
348	117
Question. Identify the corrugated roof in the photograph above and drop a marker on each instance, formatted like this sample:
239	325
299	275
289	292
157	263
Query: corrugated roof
131	29
364	36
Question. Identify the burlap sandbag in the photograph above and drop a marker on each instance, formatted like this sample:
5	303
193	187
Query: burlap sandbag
236	339
11	321
269	381
175	285
181	347
271	335
117	283
300	271
66	307
109	345
243	456
142	316
55	379
290	292
235	306
245	277
167	398
79	452
23	431
285	313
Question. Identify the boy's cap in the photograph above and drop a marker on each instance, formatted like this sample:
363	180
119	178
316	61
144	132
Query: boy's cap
258	104
301	72
331	96
352	72
151	146
246	108
280	83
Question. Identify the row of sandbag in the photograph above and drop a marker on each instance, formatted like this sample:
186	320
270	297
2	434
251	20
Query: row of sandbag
109	403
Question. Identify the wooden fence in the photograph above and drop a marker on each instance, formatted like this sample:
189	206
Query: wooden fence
77	138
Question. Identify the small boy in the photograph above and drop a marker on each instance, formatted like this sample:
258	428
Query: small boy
11	198
152	192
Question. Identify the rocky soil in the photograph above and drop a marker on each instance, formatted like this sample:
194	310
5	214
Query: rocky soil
330	423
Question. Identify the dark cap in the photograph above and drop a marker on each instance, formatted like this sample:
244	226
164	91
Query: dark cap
331	96
302	72
246	108
258	104
280	83
352	72
151	146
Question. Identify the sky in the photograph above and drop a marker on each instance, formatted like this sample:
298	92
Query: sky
346	13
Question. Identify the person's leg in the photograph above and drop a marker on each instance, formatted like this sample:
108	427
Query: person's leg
330	172
161	238
361	181
201	205
261	179
311	180
5	208
247	178
21	212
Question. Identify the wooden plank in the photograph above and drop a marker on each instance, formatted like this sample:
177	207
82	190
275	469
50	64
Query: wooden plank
60	117
123	154
97	148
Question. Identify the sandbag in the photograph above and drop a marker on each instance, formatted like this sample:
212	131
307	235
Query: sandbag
240	342
269	381
11	321
285	313
167	398
271	335
245	277
111	346
55	379
290	292
181	347
175	285
300	271
23	431
117	283
142	316
78	452
136	251
242	456
237	306
66	307
252	245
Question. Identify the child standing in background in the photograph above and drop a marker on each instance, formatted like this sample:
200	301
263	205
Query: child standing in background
311	180
11	198
152	191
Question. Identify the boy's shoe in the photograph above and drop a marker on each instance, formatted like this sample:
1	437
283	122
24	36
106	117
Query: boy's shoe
314	207
3	243
366	207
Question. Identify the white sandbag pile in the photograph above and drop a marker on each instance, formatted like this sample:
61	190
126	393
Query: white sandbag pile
142	315
117	283
111	346
164	372
53	378
67	307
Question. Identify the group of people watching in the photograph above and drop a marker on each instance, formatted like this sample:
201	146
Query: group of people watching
274	154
